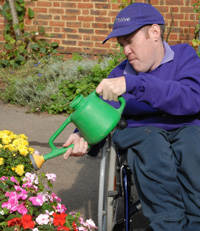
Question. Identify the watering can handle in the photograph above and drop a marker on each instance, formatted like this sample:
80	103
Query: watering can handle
55	151
121	100
122	105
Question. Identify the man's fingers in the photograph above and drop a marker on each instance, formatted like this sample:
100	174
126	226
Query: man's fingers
67	154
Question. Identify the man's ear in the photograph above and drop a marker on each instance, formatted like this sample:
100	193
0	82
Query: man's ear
154	32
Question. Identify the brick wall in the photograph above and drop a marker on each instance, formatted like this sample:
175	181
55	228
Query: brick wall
80	26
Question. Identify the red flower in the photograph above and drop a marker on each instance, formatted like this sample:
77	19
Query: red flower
27	222
74	226
59	219
62	227
14	222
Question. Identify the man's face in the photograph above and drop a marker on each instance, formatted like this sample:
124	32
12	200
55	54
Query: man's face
140	50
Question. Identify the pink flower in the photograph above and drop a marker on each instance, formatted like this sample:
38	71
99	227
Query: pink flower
51	176
13	196
7	194
54	196
13	205
42	219
31	178
38	200
6	205
22	209
3	178
82	228
12	178
23	193
60	208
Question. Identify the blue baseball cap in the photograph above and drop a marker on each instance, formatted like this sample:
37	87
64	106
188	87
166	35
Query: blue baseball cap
133	17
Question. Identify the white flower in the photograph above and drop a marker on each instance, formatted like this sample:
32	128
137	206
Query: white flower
51	176
2	212
90	223
42	219
36	152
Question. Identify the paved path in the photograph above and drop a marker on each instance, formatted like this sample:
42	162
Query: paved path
77	178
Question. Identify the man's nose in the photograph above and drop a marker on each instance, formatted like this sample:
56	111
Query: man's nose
127	50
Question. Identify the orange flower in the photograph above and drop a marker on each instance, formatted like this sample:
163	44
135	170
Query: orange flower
27	222
59	219
14	222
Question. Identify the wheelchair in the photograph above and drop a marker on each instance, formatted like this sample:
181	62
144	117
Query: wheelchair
116	203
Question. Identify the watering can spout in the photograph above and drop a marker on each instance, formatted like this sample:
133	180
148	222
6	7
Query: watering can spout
93	117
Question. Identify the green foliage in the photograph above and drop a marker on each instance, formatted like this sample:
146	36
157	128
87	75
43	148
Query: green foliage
50	85
196	40
19	48
125	3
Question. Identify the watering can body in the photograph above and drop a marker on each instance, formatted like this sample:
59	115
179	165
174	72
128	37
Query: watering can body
93	117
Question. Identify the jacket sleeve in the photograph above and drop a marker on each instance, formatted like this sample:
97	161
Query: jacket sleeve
175	90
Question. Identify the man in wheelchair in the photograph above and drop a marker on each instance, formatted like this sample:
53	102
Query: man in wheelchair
161	86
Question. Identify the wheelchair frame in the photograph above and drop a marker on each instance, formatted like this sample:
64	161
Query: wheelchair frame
114	187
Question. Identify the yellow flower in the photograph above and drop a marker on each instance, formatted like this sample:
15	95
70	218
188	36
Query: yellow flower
6	139
13	136
20	141
13	168
31	150
19	169
1	146
6	132
23	151
15	142
23	136
10	147
1	161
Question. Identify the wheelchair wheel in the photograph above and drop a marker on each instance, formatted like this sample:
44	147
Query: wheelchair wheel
107	205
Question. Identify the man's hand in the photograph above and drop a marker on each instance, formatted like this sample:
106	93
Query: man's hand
112	88
80	146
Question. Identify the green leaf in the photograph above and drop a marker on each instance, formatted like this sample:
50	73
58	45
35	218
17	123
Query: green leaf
34	46
27	35
8	46
3	13
30	13
16	26
19	8
20	58
41	29
6	6
54	44
4	63
43	50
21	26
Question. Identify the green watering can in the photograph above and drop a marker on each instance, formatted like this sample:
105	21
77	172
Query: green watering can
93	117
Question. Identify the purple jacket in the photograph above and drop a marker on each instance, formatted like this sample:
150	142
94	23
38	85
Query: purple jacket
168	96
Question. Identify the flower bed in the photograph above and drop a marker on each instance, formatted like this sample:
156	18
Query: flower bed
26	198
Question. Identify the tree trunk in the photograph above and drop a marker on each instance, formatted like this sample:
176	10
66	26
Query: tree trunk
15	19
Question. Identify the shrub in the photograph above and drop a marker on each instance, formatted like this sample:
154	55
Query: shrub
50	85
